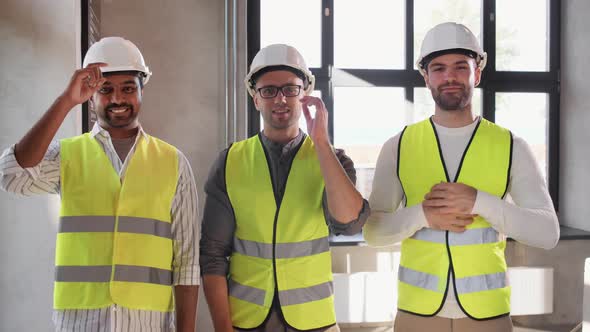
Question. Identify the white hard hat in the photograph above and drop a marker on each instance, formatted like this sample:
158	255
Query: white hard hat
448	36
278	55
120	54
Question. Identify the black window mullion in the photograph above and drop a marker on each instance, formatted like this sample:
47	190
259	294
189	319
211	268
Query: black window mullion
488	101
409	35
328	61
489	35
85	44
554	36
554	98
327	33
517	81
409	41
253	23
489	45
553	149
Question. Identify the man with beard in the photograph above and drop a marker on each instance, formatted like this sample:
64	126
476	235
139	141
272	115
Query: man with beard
452	173
271	202
126	251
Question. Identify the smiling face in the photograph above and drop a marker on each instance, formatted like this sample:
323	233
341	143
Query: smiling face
117	103
280	113
451	79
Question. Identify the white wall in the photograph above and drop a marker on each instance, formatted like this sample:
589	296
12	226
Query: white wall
183	44
575	115
38	54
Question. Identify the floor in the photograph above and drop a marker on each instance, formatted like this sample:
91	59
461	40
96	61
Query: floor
560	328
369	328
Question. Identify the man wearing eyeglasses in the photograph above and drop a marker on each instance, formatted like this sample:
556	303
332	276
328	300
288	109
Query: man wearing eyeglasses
272	201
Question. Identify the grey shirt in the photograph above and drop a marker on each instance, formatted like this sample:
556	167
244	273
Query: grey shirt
219	221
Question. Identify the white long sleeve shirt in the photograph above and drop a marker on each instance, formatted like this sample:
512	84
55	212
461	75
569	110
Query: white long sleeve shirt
530	218
45	179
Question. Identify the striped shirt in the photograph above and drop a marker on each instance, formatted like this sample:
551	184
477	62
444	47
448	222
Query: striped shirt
45	179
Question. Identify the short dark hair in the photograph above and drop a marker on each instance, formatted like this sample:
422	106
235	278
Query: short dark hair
426	60
138	74
269	69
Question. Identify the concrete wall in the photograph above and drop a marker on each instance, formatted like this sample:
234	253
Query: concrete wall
183	44
567	260
38	54
575	116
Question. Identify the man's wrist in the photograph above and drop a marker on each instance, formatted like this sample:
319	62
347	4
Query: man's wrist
64	104
323	146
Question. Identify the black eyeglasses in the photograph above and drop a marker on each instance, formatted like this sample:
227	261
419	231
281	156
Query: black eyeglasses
268	92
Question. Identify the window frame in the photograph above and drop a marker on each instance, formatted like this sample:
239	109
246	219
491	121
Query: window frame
89	34
492	82
84	45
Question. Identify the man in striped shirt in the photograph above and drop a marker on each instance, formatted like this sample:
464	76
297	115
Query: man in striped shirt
143	284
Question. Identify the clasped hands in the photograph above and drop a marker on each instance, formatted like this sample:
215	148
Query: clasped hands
448	206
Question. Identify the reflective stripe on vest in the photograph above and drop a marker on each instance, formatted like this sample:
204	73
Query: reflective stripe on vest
470	236
280	246
282	250
143	274
114	244
465	285
89	224
475	257
288	297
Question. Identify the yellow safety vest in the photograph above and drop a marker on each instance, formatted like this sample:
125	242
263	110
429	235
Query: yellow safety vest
475	257
280	246
114	244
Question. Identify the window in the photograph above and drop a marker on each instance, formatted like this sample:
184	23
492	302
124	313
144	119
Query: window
521	47
357	132
360	30
526	116
368	50
304	37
